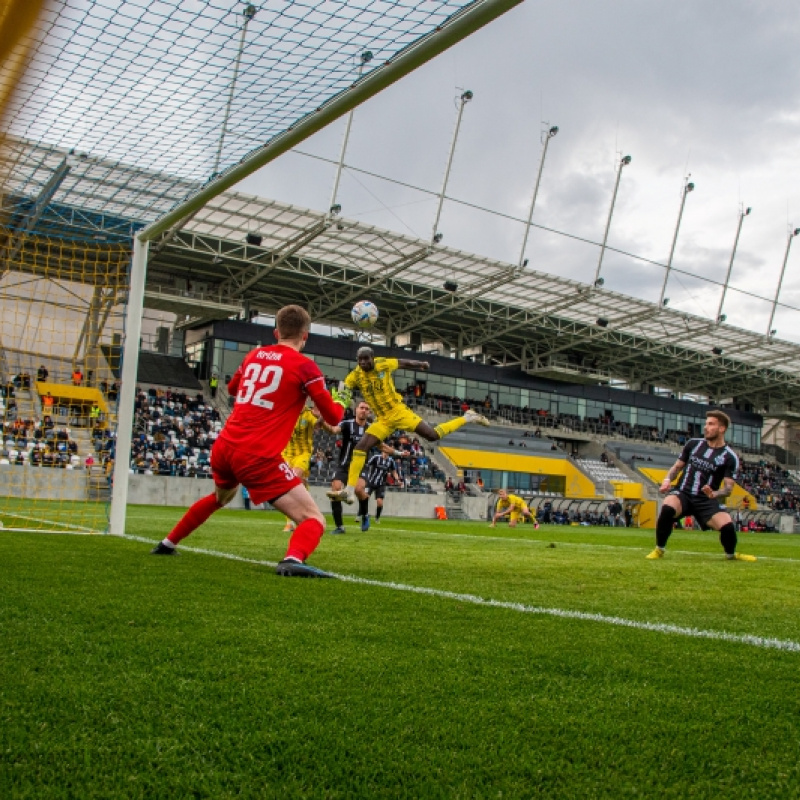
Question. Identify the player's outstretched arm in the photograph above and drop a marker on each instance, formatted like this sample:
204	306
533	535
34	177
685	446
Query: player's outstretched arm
330	410
406	363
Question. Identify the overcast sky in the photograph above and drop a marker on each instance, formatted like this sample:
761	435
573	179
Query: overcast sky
700	88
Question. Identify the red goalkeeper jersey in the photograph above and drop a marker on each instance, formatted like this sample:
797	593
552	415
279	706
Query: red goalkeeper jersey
271	387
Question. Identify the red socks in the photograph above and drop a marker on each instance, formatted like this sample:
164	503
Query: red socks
305	539
194	518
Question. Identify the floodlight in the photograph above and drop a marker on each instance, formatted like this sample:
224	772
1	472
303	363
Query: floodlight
773	331
366	57
689	187
717	351
525	263
450	286
335	209
796	231
626	160
721	318
438	237
467	96
553	131
602	323
665	302
249	12
747	211
254	238
599	282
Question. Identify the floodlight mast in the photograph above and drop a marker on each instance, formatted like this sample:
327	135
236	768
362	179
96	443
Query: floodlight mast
687	187
364	59
248	14
792	234
623	162
453	30
547	136
436	235
743	212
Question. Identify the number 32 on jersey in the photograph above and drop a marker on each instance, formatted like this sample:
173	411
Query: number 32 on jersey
258	381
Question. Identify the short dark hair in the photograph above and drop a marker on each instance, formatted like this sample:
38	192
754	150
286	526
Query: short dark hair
720	416
292	321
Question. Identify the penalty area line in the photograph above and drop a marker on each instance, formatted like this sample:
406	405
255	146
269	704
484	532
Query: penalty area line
763	642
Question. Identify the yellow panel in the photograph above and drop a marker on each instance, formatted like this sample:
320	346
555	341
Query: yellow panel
626	490
734	501
63	391
577	484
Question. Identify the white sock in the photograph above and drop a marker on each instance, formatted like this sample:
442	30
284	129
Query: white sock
168	543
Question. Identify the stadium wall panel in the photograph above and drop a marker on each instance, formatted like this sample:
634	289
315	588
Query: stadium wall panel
577	484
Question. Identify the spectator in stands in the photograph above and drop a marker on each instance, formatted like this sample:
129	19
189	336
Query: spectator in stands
42	373
213	384
77	376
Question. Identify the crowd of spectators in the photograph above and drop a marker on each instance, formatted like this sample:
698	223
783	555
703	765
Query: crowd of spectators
173	434
770	484
38	443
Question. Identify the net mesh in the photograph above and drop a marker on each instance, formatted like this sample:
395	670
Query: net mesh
60	332
188	89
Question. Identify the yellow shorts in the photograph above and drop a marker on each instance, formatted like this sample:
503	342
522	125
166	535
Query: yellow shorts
517	514
401	418
301	463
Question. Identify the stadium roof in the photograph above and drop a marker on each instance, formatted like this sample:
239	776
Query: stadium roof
464	303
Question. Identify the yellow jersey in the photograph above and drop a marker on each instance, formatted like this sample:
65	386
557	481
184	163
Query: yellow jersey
514	501
377	386
302	441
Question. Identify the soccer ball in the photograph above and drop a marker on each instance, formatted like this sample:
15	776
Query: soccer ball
364	314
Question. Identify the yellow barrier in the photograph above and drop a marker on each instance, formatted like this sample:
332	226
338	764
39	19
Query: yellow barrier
577	484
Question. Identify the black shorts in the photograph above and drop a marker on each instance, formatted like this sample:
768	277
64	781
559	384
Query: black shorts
378	492
341	474
700	507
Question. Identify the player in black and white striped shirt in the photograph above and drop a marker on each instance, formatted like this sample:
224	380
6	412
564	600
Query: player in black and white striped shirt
708	468
375	473
351	431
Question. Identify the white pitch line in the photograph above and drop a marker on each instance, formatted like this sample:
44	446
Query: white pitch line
763	642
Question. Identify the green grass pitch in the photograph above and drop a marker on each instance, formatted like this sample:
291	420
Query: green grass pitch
127	675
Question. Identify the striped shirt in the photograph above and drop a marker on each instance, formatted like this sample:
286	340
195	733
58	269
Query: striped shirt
377	386
351	432
377	469
302	441
706	466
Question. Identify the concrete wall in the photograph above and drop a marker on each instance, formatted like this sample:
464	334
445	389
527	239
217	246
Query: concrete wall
182	492
29	482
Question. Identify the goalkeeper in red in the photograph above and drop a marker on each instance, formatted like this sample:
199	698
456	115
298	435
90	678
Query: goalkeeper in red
373	377
271	387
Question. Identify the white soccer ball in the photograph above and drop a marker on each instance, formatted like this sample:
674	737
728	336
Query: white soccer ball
364	314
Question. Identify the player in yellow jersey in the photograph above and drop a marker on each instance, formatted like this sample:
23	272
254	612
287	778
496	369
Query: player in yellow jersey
373	377
300	448
513	505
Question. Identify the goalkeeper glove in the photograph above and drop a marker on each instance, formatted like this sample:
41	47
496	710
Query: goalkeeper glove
342	396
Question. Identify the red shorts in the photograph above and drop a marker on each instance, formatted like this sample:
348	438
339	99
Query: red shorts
266	479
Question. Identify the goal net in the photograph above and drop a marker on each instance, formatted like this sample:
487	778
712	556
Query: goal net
127	118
